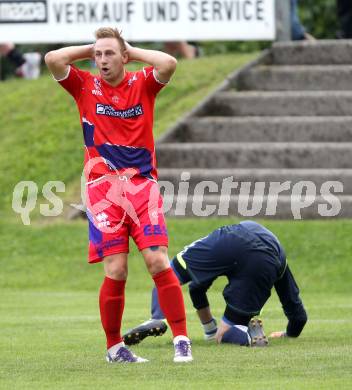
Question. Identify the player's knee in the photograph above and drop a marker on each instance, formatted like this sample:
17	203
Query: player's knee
115	270
156	261
158	264
116	273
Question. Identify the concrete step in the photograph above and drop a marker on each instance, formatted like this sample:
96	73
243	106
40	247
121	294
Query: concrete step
297	78
310	53
255	103
249	206
254	155
266	129
274	178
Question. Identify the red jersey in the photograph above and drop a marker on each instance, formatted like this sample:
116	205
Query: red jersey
117	121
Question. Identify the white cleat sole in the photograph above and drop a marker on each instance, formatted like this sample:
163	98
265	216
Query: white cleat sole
183	360
138	361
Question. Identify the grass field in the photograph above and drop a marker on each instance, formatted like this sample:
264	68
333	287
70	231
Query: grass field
51	335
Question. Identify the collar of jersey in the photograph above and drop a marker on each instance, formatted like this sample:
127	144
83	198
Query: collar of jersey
107	85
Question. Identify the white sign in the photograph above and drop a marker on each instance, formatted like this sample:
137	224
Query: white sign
46	21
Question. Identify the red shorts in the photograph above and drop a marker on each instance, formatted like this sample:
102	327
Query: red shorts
119	207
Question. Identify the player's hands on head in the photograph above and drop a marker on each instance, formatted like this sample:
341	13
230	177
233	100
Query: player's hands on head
92	52
129	49
128	46
277	335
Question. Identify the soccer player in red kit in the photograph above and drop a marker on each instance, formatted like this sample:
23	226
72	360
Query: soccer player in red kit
116	111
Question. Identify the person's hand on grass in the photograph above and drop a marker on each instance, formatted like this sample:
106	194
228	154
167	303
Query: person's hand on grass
277	335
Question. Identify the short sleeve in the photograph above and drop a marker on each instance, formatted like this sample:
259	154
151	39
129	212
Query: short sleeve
73	81
152	83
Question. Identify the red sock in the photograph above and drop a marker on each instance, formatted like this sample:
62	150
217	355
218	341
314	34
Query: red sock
112	303
171	301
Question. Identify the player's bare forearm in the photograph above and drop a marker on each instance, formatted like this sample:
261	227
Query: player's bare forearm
164	64
59	60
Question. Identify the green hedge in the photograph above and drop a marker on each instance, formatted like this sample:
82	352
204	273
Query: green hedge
319	17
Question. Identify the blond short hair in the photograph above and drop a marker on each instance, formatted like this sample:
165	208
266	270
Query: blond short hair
109	32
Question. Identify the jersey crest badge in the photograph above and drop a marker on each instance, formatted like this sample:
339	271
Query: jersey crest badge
132	80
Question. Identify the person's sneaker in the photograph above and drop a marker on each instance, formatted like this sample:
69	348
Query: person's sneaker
210	336
124	355
256	333
183	350
147	328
